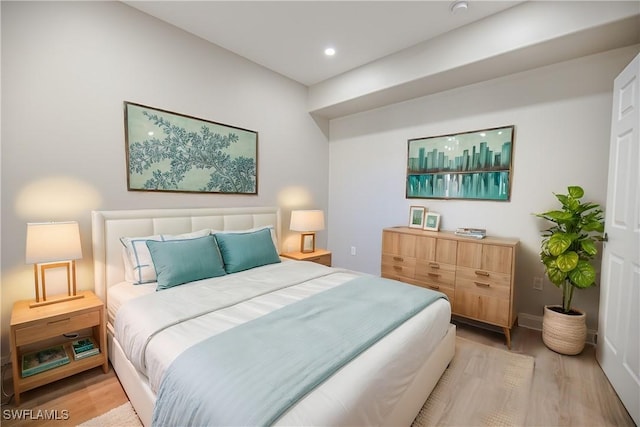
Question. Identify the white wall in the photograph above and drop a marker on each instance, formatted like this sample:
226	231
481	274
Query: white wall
67	67
562	117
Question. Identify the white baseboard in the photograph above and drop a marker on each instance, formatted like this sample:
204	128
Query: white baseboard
530	321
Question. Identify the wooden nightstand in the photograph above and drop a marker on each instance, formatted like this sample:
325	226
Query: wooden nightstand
320	256
34	329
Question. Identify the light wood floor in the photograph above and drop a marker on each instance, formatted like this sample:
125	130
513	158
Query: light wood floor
566	390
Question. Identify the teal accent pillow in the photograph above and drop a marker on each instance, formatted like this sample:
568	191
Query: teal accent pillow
181	261
242	251
139	266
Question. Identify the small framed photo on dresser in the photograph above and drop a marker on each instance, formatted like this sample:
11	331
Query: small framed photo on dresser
432	221
416	216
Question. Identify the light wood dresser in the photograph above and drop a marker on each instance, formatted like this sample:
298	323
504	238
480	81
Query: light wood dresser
477	275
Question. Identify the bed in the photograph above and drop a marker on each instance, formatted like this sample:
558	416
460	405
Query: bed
384	384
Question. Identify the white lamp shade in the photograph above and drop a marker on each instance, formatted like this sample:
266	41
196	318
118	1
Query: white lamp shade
309	220
53	241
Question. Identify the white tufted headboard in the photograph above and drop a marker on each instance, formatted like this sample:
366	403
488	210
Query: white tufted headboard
109	226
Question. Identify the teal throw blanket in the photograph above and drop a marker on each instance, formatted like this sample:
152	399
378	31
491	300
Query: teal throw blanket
252	374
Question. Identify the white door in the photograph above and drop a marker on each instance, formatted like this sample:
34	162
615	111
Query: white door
618	350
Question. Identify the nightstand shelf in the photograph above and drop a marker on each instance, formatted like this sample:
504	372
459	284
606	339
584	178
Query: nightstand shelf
319	256
37	328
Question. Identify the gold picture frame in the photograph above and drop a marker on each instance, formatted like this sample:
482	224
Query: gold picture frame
172	152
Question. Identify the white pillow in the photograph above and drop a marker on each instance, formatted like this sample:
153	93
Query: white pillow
139	268
128	268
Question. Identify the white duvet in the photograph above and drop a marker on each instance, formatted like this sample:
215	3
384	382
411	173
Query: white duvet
362	392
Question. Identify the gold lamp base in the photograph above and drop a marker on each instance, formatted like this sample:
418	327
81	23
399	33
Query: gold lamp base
39	273
55	300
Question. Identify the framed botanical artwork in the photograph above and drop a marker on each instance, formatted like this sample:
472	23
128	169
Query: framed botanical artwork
173	152
416	216
475	165
432	221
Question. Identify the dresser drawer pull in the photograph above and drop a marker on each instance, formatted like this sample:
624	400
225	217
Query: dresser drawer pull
434	287
482	273
434	265
397	268
484	285
398	258
433	274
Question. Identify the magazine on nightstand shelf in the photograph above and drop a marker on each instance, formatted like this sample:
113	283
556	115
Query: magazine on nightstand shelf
84	347
43	360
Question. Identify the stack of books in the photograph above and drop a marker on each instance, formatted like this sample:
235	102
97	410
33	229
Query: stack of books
84	347
475	233
43	360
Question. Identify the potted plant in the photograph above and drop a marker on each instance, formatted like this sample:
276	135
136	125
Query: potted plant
567	249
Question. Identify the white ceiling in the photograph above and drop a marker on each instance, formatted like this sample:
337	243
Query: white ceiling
289	37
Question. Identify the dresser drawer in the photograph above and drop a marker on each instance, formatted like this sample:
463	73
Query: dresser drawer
398	265
436	273
40	330
484	308
483	288
449	291
483	282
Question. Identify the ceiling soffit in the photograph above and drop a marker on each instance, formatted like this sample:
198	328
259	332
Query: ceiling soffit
521	38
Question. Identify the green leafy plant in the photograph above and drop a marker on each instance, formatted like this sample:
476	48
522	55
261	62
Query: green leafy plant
569	246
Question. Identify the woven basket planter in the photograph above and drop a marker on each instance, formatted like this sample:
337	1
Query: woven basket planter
564	333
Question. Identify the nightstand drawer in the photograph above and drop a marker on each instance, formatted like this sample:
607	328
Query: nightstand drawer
321	259
52	327
319	256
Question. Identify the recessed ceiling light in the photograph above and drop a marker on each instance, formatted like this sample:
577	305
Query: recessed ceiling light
459	6
329	51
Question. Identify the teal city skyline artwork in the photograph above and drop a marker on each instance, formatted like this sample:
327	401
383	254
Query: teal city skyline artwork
470	165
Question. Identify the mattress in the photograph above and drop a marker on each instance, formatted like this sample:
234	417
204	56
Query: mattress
372	382
122	292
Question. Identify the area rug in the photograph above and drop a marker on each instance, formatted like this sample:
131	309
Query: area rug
122	416
483	386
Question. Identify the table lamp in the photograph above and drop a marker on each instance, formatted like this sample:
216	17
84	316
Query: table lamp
53	245
307	221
